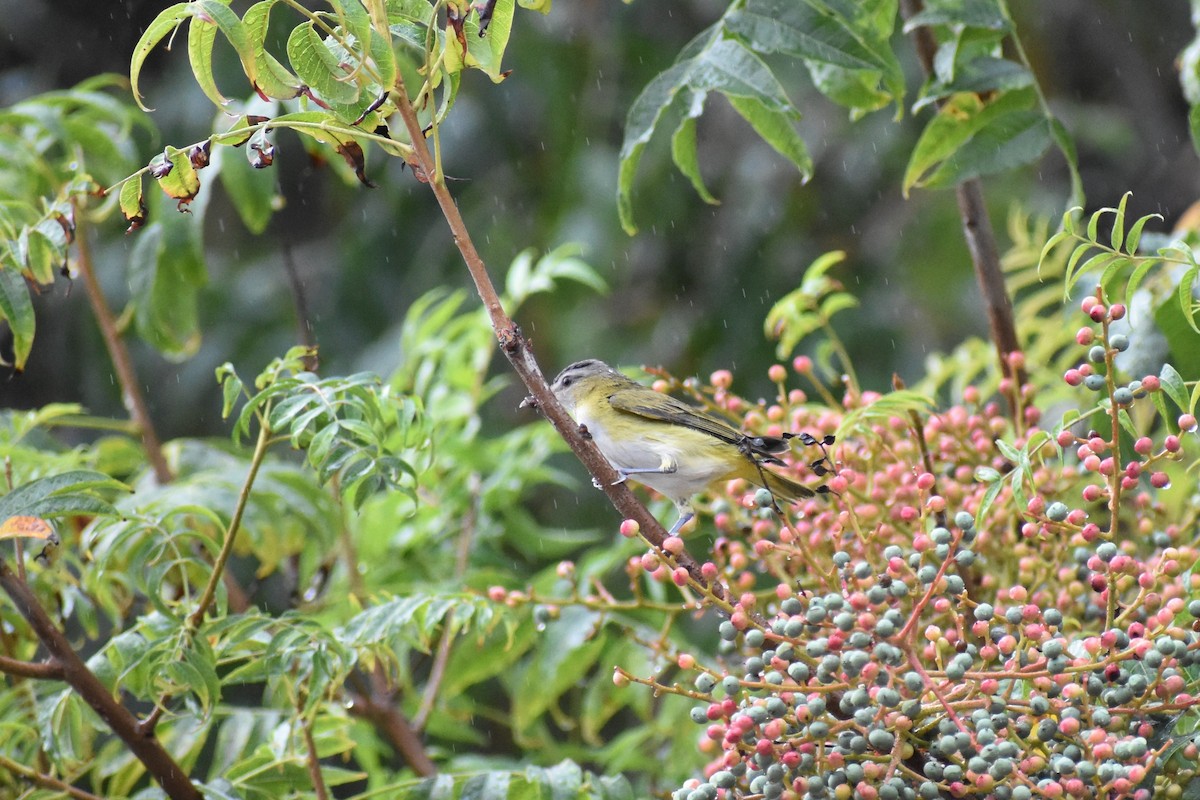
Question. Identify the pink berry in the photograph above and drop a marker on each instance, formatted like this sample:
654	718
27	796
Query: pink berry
1187	422
1073	377
1116	311
1160	480
777	373
630	528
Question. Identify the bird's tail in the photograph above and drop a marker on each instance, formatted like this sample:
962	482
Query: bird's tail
783	488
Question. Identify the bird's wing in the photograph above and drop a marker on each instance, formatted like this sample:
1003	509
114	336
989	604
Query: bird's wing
654	405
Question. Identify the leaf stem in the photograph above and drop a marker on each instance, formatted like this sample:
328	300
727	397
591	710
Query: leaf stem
131	390
235	522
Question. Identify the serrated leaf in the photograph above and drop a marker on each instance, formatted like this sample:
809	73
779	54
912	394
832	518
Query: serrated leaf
315	63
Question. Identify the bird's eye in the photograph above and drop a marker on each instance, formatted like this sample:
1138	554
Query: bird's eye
567	381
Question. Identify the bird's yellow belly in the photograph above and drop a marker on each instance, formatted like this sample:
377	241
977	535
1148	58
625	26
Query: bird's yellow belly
698	459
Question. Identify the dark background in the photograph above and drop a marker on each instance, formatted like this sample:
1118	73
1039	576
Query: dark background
535	163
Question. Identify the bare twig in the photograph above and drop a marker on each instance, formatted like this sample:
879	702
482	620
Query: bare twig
147	749
461	558
314	763
131	390
304	326
38	670
235	523
519	353
981	240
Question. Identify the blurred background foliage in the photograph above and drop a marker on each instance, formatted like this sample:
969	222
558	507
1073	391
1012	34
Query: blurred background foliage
535	165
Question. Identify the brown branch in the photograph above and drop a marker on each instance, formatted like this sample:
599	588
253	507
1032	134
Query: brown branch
314	763
38	670
131	390
519	353
147	749
462	556
981	238
304	326
45	781
378	707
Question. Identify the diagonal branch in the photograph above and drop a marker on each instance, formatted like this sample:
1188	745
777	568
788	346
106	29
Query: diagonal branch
145	747
520	354
131	389
981	239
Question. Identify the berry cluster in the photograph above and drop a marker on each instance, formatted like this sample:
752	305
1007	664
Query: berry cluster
977	613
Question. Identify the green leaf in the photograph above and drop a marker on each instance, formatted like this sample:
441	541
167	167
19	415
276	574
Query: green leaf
1173	385
1177	323
166	270
485	52
725	66
981	75
17	308
273	79
253	192
969	138
968	13
167	20
315	62
176	174
845	46
66	494
777	130
133	203
683	153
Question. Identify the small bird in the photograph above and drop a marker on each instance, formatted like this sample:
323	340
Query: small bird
668	445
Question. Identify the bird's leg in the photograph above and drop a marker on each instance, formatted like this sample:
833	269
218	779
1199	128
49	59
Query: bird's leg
685	515
667	467
686	512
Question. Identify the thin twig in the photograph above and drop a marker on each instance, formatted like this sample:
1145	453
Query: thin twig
314	763
304	326
461	559
45	781
147	749
38	670
235	523
517	350
131	389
